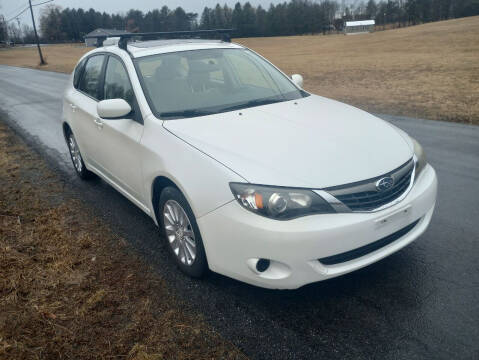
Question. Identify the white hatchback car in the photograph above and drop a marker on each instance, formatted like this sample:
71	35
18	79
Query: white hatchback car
243	171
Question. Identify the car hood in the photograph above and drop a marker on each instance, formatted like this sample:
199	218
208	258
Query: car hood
311	142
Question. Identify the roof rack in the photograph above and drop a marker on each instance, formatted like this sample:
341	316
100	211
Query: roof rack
220	34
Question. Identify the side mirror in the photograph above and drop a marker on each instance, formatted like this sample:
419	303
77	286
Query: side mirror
298	80
113	108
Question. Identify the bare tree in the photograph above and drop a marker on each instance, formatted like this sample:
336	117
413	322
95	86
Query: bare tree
28	34
50	22
14	32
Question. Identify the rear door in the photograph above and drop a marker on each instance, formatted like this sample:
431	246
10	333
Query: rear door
85	125
120	154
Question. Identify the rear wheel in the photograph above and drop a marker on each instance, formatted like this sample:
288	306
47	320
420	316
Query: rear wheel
77	159
182	233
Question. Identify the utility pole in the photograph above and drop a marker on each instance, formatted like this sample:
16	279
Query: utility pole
42	61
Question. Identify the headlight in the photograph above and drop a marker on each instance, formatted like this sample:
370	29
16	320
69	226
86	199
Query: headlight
279	203
420	157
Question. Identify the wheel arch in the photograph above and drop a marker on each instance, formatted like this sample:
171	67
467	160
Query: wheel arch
66	130
160	183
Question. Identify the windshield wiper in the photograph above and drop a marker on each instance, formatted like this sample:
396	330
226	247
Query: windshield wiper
197	112
185	113
251	103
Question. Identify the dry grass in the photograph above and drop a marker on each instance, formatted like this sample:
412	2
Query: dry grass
71	289
429	71
59	58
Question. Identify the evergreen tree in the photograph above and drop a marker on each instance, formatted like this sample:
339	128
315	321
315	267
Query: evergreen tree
237	19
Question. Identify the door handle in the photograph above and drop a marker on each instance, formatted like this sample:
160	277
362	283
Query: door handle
73	107
98	123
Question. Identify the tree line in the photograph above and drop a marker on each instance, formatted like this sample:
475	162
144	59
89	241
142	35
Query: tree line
289	18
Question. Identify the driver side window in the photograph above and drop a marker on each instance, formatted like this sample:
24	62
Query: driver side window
90	80
117	84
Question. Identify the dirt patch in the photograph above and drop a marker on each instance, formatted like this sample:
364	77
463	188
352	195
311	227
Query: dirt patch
427	71
70	288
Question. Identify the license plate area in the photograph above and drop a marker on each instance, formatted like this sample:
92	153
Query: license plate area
399	217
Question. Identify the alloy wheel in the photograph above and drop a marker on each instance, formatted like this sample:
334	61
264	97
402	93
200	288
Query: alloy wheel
179	232
75	153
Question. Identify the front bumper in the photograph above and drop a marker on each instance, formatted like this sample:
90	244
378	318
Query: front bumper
235	238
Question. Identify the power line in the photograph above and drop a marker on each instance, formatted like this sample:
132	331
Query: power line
15	9
12	18
43	3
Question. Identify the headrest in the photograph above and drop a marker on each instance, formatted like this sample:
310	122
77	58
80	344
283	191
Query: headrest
199	66
170	68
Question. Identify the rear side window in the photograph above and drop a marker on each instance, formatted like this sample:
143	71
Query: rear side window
117	83
90	81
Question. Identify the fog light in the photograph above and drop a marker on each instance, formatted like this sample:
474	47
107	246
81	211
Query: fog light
262	265
268	268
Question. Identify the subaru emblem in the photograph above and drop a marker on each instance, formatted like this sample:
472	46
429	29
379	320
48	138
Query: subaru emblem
385	183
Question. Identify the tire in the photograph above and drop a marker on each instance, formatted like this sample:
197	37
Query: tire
77	159
182	235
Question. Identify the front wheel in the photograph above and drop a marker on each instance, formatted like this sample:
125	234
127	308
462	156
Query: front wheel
77	159
182	233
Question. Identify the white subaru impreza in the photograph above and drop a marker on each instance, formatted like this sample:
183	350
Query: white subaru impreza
244	172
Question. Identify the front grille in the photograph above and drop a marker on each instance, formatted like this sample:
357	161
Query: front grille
367	249
363	196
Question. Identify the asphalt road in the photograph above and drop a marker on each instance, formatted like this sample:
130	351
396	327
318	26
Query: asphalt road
422	302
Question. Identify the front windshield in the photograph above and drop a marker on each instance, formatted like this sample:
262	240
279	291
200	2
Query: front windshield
202	82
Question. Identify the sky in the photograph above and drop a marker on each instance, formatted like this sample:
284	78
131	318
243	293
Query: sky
10	8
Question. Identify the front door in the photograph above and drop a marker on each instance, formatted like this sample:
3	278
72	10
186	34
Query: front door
120	154
84	112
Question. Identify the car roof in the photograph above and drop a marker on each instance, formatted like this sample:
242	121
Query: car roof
145	48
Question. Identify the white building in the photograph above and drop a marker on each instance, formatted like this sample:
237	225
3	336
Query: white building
358	27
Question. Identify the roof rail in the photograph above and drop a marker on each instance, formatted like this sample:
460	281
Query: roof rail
220	34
